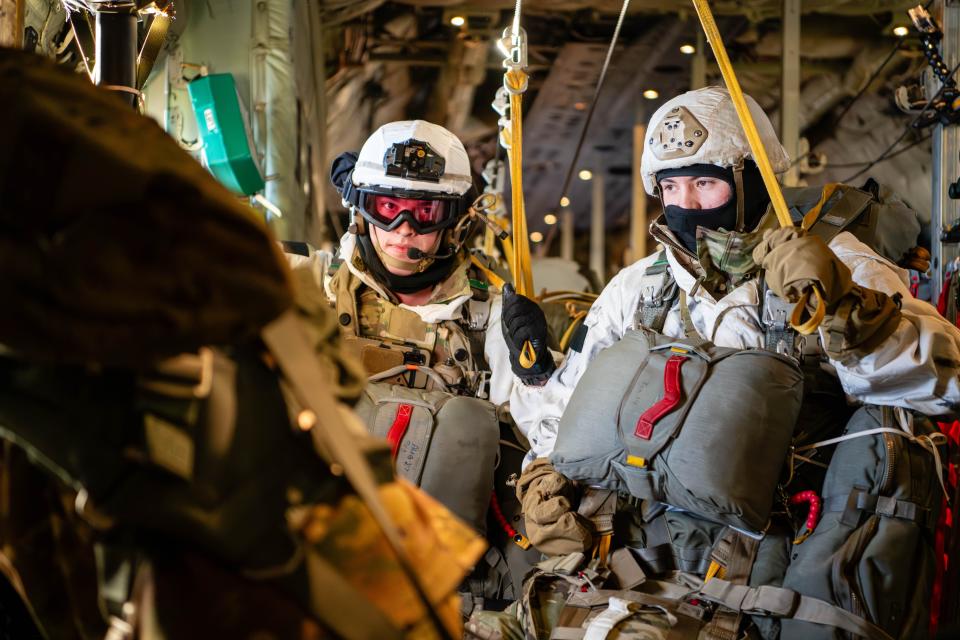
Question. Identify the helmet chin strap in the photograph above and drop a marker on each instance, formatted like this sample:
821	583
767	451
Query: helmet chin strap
738	183
416	266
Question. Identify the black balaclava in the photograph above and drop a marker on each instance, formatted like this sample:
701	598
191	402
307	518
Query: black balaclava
684	222
435	273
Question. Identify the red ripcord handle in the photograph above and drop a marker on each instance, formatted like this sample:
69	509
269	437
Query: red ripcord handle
813	515
518	538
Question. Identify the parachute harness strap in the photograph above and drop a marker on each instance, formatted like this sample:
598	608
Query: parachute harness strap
515	82
756	145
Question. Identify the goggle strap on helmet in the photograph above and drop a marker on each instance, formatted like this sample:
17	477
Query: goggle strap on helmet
738	183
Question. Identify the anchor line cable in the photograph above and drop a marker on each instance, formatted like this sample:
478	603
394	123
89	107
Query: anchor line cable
596	96
867	84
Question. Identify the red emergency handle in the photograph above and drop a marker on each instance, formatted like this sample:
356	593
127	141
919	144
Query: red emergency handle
399	428
672	394
813	514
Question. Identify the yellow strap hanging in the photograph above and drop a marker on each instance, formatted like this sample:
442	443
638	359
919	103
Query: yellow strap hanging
808	327
515	81
523	278
756	147
743	112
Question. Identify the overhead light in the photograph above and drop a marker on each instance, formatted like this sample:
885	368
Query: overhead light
651	94
580	106
564	201
536	236
585	174
687	49
900	31
458	21
550	219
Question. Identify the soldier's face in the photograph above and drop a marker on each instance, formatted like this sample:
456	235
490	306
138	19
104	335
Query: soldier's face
396	243
695	192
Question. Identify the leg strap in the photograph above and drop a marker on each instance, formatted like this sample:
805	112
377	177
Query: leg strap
778	602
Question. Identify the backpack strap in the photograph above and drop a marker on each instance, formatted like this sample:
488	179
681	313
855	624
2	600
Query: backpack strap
666	599
828	220
778	602
733	555
600	506
860	501
345	286
658	291
661	555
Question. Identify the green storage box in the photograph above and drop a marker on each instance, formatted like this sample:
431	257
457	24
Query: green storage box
223	127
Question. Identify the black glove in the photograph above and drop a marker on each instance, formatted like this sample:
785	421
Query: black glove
523	321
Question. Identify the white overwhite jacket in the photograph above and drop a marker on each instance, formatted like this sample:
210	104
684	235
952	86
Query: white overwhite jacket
916	368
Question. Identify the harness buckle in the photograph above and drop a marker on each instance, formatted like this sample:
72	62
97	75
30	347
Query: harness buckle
776	311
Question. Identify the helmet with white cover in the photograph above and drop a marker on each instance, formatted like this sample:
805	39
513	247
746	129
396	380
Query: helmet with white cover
702	127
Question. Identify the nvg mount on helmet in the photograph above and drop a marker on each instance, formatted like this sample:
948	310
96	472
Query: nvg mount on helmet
415	160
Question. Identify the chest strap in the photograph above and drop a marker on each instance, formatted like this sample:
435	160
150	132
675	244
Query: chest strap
658	291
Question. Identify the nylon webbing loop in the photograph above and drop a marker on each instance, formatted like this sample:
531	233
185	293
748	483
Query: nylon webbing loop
810	325
778	602
886	506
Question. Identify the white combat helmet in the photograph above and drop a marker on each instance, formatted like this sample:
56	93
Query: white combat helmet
451	175
701	127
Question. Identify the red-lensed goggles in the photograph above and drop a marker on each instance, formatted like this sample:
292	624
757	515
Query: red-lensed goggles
424	215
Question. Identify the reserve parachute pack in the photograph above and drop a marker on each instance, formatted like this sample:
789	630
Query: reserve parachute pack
445	444
667	420
458	451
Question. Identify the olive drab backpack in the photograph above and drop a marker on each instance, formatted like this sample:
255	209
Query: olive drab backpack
874	214
872	553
